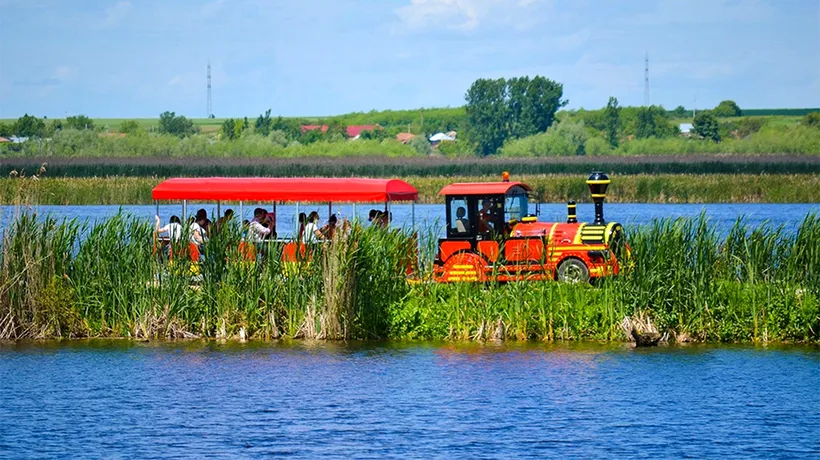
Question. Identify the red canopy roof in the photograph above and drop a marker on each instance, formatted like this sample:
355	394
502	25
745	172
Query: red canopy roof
309	189
481	188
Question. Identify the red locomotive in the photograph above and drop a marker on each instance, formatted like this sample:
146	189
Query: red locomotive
491	235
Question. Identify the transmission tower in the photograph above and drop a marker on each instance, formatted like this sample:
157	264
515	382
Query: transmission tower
646	80
210	107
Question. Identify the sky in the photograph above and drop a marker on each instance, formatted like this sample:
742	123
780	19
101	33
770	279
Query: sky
138	58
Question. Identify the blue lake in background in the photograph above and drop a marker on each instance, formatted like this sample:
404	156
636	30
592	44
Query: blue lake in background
432	215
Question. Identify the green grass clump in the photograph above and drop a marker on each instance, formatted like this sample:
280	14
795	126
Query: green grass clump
66	279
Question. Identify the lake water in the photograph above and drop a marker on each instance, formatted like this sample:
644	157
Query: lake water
722	215
132	400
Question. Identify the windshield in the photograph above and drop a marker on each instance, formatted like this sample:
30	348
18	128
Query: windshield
515	207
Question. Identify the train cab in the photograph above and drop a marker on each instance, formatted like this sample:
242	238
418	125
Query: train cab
493	233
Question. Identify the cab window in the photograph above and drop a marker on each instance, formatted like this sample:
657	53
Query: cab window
459	213
515	207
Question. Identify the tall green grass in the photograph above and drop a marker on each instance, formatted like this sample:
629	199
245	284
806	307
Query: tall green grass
662	188
754	284
68	279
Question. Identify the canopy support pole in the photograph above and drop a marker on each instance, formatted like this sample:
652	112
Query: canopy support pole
329	209
218	209
296	216
413	214
241	215
156	203
353	217
387	218
184	211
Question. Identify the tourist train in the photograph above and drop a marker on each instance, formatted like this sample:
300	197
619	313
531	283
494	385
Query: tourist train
492	228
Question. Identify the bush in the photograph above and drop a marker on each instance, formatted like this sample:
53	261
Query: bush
597	146
812	119
170	123
727	109
420	144
706	126
130	127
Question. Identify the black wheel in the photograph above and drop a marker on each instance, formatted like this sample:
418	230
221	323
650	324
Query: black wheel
573	271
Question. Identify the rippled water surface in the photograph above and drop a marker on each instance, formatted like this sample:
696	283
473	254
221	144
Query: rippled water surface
125	399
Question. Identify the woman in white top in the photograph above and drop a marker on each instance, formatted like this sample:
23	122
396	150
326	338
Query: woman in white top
312	233
173	229
257	231
197	232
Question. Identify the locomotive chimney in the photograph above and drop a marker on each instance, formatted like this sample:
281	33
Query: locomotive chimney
571	218
598	183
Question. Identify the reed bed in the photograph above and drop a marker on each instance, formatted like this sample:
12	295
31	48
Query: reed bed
385	166
665	188
65	279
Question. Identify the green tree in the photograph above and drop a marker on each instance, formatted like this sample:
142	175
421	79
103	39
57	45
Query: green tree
421	145
652	122
519	125
6	130
487	113
727	109
612	116
54	127
170	123
706	126
680	112
335	129
543	99
79	122
228	130
264	124
812	119
29	126
130	127
291	127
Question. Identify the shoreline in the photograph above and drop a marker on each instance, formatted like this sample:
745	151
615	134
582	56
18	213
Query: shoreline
553	188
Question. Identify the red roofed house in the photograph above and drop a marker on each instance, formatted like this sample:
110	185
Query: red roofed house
353	131
404	137
306	128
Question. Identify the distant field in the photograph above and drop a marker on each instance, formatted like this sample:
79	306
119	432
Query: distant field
776	116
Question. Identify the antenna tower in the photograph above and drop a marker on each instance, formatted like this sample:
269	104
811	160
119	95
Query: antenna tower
210	107
646	80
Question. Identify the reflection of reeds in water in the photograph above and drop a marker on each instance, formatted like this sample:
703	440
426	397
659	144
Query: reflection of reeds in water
65	279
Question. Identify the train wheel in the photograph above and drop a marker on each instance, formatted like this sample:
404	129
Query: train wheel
573	271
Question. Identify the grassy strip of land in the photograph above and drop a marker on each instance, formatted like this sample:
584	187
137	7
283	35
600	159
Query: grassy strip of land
61	279
660	188
381	166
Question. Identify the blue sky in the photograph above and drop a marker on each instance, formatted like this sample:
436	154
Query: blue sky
137	58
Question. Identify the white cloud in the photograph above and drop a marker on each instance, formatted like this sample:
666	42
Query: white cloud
176	80
114	14
462	15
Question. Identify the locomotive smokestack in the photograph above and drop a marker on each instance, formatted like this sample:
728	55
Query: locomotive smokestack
571	217
598	183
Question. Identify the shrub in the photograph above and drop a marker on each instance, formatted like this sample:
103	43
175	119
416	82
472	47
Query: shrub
596	146
812	119
706	126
